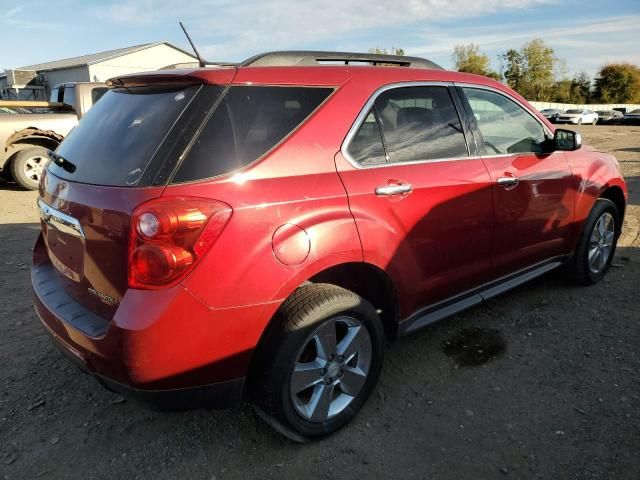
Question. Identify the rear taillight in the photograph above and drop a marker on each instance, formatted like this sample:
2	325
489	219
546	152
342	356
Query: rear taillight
169	236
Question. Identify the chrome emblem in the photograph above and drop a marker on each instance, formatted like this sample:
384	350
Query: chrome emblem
103	296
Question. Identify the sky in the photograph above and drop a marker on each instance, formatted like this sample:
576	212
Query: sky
584	34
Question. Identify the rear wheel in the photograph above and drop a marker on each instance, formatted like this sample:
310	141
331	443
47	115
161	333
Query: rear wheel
27	166
319	363
597	244
595	121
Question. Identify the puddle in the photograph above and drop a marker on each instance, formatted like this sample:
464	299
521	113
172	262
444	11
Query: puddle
474	346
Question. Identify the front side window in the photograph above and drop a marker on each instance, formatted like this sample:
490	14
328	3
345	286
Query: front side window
505	126
420	123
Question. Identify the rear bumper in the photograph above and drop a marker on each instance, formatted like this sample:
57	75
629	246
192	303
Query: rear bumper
216	395
163	347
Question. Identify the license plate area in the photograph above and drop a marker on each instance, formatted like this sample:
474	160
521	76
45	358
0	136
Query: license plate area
65	241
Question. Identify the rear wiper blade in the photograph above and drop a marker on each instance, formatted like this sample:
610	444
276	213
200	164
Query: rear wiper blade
61	161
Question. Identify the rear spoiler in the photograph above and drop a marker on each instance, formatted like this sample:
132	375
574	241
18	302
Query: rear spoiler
175	78
154	79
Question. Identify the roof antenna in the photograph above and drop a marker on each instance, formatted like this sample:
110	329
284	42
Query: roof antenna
192	45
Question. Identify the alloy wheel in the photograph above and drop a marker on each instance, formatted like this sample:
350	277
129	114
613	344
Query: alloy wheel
601	243
331	368
34	166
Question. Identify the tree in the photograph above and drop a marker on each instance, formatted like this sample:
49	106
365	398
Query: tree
581	88
618	83
469	59
384	51
529	70
515	69
576	90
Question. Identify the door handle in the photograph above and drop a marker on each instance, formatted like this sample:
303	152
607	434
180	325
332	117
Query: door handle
393	189
508	182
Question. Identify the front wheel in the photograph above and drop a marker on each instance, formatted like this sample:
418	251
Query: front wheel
319	362
597	244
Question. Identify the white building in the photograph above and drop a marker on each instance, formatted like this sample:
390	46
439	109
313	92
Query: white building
34	82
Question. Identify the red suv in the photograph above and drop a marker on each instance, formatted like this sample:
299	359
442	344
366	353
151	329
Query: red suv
256	231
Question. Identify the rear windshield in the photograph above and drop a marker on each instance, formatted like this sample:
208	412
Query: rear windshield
136	137
248	122
115	141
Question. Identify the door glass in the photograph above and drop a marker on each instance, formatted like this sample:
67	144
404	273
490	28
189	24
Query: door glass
366	146
505	126
420	123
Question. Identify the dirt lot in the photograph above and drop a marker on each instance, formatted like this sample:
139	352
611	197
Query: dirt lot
561	402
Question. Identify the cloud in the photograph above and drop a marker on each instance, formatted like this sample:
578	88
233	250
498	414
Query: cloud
610	40
234	30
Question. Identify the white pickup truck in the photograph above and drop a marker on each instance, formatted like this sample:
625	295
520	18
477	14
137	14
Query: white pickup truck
28	130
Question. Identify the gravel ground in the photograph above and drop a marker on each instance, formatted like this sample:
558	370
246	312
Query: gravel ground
561	402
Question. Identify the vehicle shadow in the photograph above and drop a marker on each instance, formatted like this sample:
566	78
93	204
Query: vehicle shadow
10	185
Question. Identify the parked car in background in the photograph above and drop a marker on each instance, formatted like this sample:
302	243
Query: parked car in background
551	114
578	117
632	118
610	117
28	130
217	234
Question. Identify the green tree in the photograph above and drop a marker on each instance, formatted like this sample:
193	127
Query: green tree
618	83
530	70
581	88
515	69
469	59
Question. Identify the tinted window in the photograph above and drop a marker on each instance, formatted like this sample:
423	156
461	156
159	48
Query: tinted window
420	123
69	96
115	141
505	126
366	146
97	93
246	124
55	95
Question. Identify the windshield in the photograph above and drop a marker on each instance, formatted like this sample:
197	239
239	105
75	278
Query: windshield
115	141
574	111
635	112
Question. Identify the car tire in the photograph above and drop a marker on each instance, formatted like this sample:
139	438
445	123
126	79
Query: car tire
27	166
297	351
595	121
592	257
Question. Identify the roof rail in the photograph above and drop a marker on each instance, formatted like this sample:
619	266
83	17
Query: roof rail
303	58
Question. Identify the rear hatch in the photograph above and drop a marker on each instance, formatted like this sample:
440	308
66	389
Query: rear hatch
119	156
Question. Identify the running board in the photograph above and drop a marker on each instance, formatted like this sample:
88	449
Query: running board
445	308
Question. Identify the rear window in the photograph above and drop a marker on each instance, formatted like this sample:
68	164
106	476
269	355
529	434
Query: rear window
247	123
115	141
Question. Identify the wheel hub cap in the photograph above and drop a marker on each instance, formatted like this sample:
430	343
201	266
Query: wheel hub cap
331	368
601	243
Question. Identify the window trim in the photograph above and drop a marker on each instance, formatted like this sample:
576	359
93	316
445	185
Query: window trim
361	117
476	128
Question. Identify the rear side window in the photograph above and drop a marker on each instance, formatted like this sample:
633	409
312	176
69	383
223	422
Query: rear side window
420	123
69	96
247	123
97	93
115	141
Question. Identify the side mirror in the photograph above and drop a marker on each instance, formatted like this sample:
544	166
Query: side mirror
567	140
